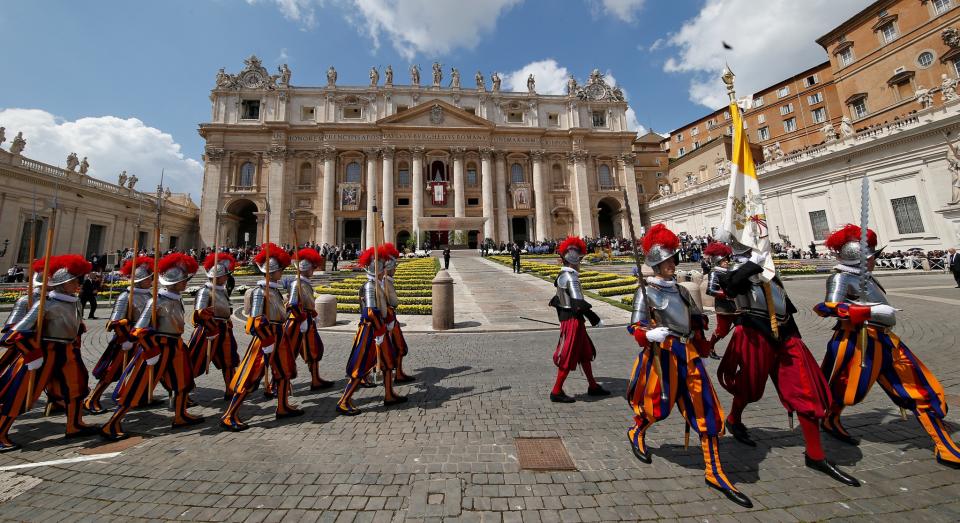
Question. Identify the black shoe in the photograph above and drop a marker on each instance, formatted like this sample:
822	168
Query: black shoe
98	410
951	464
292	412
367	385
85	431
737	497
641	455
740	433
839	436
237	426
348	412
405	379
9	448
113	436
598	391
715	356
561	398
395	401
831	470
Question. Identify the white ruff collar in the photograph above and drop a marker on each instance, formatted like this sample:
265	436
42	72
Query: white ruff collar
138	290
59	296
168	294
273	284
218	287
567	269
659	282
849	269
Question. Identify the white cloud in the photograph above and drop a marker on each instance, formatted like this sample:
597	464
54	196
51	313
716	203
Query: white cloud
300	11
284	57
768	43
551	78
111	144
625	10
427	27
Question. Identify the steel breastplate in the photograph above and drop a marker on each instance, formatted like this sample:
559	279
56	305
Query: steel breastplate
61	320
140	301
169	316
276	310
669	309
305	296
391	293
754	302
221	307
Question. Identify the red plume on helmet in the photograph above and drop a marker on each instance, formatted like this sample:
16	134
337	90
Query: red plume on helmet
185	262
220	258
73	263
132	263
660	235
717	249
366	257
310	255
849	233
275	252
572	242
387	251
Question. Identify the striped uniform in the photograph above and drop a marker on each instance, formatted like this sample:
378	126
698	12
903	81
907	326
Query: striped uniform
307	344
216	324
365	350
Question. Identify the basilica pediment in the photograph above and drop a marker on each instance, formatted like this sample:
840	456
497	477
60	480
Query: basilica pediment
437	114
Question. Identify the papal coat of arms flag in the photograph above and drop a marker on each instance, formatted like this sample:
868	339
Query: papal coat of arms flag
744	218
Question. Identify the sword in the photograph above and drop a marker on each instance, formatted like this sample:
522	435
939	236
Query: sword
539	321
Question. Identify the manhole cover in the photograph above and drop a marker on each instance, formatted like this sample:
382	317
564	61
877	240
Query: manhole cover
116	446
543	454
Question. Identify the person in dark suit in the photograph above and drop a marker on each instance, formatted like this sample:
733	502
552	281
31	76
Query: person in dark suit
953	259
88	294
515	255
446	257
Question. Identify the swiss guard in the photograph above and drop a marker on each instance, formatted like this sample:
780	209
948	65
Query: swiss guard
718	256
304	336
574	346
265	321
390	256
864	349
49	360
767	344
669	327
212	340
371	346
162	355
126	311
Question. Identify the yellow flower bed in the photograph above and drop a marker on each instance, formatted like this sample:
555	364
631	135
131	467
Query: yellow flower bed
602	283
412	281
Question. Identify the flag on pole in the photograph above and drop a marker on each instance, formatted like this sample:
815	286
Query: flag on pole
744	218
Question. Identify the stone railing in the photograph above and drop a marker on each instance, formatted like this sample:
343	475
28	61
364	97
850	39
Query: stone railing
67	177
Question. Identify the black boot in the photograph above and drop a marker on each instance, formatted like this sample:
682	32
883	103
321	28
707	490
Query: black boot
830	469
740	433
561	397
733	495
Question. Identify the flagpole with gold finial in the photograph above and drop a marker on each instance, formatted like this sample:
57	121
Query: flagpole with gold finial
728	79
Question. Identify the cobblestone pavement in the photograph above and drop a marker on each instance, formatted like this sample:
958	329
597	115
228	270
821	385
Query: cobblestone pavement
450	452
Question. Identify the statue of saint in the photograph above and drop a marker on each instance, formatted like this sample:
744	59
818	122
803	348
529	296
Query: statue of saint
374	76
495	79
388	74
531	84
331	77
924	97
953	161
481	86
415	74
948	88
72	161
454	78
3	134
829	133
846	127
133	181
18	144
284	75
571	86
122	181
437	74
84	166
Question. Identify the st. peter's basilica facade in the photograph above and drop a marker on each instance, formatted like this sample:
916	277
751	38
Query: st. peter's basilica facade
432	157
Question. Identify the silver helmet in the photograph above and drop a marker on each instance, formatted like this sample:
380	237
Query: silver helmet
222	268
658	254
849	253
59	277
305	265
271	266
175	268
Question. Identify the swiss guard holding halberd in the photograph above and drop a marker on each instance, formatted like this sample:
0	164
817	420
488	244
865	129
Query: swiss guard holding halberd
865	350
669	327
574	347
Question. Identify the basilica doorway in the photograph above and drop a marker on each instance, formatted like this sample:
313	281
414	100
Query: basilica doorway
439	238
352	231
520	232
402	238
244	211
472	240
605	218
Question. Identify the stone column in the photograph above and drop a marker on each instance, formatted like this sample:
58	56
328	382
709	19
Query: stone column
626	166
540	197
371	194
581	193
277	156
416	191
328	235
210	198
261	217
388	202
503	232
486	183
459	196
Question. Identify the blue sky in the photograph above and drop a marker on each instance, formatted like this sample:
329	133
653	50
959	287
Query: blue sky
126	82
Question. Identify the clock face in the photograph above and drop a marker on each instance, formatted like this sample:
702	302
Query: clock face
595	91
252	80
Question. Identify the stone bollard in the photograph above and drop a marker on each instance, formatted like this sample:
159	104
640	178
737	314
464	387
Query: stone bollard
326	305
707	300
925	264
442	301
694	290
696	277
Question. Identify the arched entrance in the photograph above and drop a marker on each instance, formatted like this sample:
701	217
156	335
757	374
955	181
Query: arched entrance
438	171
402	238
520	230
607	209
246	222
472	240
352	231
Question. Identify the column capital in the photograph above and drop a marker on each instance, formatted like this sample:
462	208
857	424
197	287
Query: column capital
388	152
276	152
372	153
486	153
457	152
536	155
500	155
417	151
214	154
328	152
628	158
577	156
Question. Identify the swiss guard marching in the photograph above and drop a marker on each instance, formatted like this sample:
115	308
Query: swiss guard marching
265	322
212	340
574	346
669	327
126	311
390	259
44	350
718	255
304	336
371	346
864	349
767	344
162	355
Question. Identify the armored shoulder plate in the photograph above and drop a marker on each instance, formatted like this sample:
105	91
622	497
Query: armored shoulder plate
29	320
842	287
390	293
568	288
368	295
256	301
203	298
640	312
754	302
301	293
120	307
713	281
670	310
61	319
170	318
19	311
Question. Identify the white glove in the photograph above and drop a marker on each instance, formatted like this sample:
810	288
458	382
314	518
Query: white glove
127	345
211	338
153	361
35	364
303	326
268	349
882	310
379	340
391	325
758	257
657	334
600	324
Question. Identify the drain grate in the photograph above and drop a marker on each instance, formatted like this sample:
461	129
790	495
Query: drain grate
543	454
